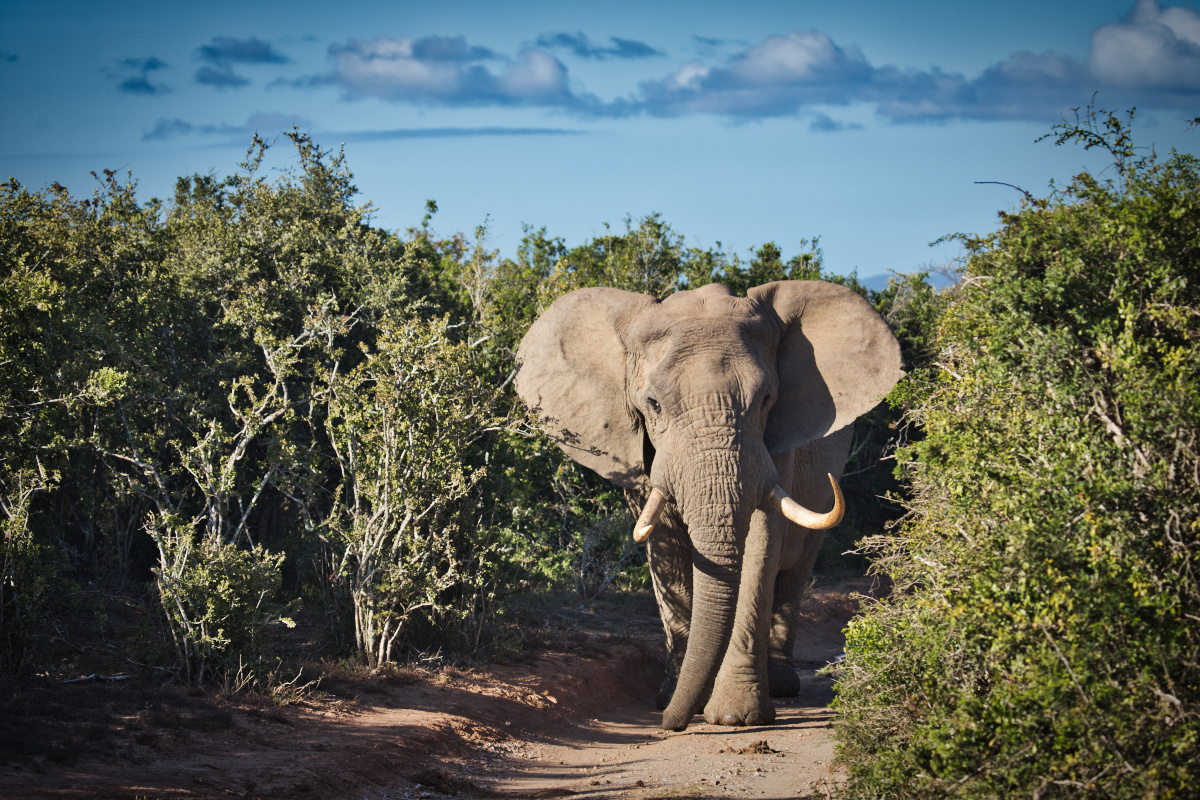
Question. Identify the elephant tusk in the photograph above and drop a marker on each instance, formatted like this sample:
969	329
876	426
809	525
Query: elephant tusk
650	514
802	516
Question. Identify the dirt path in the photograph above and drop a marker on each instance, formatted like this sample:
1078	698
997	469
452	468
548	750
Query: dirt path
622	754
577	721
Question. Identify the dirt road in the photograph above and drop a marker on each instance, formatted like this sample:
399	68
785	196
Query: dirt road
620	754
576	721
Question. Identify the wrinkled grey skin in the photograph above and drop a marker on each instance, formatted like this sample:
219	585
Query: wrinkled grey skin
713	399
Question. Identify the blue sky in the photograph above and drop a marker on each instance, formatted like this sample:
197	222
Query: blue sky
864	122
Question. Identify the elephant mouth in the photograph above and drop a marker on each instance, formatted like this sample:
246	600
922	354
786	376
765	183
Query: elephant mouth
778	498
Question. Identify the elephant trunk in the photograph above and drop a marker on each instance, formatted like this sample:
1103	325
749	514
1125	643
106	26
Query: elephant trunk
714	602
709	488
716	480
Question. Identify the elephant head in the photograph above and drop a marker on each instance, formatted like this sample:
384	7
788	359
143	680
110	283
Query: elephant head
695	397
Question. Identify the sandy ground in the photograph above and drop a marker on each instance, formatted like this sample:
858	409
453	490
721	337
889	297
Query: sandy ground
578	720
621	754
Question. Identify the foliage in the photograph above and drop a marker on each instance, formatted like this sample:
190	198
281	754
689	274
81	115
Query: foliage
25	580
766	266
203	423
646	259
249	394
160	364
403	425
66	271
1042	637
217	599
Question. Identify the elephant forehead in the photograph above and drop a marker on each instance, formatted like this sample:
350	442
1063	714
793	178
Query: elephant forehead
715	343
691	317
712	360
713	299
708	377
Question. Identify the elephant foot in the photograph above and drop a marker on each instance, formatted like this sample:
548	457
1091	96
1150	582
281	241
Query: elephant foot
739	708
783	680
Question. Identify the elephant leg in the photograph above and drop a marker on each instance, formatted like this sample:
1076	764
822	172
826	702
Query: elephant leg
790	587
670	554
740	695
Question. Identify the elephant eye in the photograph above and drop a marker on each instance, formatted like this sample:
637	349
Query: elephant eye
767	400
654	406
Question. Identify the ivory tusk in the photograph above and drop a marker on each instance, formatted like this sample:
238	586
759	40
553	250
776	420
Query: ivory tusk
802	516
650	514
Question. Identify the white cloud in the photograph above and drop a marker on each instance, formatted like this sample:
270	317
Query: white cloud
798	57
688	77
1152	48
1150	58
775	77
534	75
413	70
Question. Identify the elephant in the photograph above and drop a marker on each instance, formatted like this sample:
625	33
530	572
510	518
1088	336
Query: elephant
712	412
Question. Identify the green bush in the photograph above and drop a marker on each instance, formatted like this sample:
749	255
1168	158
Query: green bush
219	601
248	393
1043	638
26	578
403	426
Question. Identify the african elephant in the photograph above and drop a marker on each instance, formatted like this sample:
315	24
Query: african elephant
705	407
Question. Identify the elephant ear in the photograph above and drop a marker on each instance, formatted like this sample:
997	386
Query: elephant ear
571	373
836	360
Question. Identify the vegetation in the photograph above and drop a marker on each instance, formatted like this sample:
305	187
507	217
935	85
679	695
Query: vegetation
249	406
402	426
1042	638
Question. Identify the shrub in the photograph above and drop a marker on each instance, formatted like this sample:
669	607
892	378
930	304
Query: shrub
218	599
25	575
174	377
1043	638
403	425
